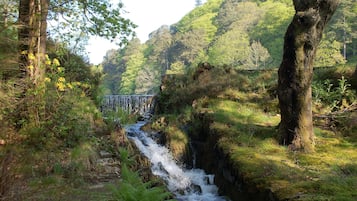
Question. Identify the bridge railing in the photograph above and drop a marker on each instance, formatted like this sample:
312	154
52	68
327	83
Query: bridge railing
133	104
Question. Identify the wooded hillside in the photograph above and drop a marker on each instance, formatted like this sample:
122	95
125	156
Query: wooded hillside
225	33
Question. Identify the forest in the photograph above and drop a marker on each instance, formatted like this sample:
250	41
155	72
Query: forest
220	89
241	35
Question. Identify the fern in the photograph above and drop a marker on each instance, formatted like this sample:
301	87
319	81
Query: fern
132	188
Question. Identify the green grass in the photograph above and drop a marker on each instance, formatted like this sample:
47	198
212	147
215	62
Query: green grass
176	138
245	116
328	174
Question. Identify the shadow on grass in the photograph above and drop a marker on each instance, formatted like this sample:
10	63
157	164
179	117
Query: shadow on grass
249	135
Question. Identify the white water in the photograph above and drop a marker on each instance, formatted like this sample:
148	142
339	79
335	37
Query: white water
185	184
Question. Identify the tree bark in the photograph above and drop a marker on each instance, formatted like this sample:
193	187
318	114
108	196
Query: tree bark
24	35
32	37
296	70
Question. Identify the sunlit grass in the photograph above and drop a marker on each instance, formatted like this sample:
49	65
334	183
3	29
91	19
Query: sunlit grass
249	136
178	141
242	111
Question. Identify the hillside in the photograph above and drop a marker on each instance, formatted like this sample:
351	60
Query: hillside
239	34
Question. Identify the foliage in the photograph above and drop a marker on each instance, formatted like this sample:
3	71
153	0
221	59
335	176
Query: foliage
232	48
100	18
176	68
240	34
185	24
259	56
8	52
118	118
113	70
157	49
68	114
9	109
329	54
134	60
271	28
343	28
131	187
188	47
238	15
48	94
147	81
335	97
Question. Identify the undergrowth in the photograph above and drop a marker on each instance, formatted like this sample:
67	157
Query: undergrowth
132	188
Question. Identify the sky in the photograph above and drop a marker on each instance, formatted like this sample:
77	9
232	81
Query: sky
149	15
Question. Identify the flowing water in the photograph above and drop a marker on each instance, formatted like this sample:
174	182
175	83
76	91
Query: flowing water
185	184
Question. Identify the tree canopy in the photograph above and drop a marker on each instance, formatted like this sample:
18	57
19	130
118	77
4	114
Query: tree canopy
243	35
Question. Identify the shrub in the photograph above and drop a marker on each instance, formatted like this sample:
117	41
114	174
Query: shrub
132	188
335	97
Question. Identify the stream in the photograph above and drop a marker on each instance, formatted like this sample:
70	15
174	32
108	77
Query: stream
185	184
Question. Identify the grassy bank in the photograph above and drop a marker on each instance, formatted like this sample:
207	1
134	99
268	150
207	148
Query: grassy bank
101	165
241	108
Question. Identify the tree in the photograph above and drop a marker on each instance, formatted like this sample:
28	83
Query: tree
329	53
7	10
158	48
8	39
270	29
187	48
134	60
295	73
344	25
87	17
176	68
32	37
258	56
231	48
237	15
147	80
90	17
113	68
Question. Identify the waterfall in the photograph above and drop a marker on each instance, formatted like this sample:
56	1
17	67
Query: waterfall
185	184
137	104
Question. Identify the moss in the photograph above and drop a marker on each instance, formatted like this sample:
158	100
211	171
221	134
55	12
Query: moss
262	160
178	141
243	116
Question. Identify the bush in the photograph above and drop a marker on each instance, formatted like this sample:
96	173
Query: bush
335	97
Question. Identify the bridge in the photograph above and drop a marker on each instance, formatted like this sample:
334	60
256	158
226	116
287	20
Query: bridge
133	104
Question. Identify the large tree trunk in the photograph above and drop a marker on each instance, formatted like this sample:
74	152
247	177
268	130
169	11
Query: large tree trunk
24	34
32	37
32	47
296	70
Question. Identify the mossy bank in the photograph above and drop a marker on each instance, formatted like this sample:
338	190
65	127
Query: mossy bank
231	118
